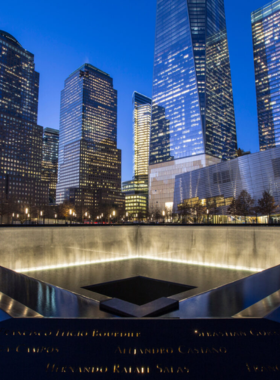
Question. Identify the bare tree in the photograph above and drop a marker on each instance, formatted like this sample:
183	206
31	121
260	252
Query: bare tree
157	214
212	208
64	210
4	208
240	152
233	209
199	210
266	205
244	204
185	211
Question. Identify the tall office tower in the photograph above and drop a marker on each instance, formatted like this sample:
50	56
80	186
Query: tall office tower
89	163
193	121
266	45
20	136
50	160
136	191
142	111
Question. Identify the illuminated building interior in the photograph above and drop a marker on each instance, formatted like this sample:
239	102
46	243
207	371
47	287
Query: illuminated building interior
20	135
220	183
89	165
50	160
192	107
266	45
136	190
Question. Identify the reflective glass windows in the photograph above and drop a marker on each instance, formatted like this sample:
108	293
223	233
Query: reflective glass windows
142	111
20	136
176	129
89	161
193	111
19	82
220	126
266	45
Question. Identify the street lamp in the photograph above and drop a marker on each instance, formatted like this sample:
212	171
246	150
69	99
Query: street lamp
41	213
55	216
13	215
163	214
70	212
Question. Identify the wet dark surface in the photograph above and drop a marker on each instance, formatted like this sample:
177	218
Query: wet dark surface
224	301
47	295
46	299
202	277
16	309
155	308
230	299
139	290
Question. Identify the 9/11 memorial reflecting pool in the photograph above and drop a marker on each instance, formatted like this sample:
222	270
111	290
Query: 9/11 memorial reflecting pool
216	288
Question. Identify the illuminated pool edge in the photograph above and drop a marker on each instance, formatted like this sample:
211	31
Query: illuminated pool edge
186	262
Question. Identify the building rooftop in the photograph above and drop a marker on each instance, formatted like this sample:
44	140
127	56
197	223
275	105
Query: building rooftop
9	37
89	66
137	97
51	130
265	11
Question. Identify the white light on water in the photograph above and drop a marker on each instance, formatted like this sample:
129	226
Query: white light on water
190	262
186	262
77	264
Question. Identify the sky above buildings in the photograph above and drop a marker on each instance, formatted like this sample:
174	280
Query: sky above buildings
118	38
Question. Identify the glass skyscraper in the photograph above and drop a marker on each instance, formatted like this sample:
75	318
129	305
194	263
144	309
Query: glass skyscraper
142	111
50	160
136	191
193	120
266	45
89	163
20	136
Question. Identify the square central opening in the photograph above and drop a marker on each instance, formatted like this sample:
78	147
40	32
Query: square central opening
138	290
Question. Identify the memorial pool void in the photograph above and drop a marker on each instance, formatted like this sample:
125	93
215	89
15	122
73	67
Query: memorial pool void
65	272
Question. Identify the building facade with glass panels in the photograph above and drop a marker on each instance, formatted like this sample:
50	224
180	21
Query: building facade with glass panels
89	163
20	135
192	108
142	111
266	45
219	183
136	190
50	160
136	198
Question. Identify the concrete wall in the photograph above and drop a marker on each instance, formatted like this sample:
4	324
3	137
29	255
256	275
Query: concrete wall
26	248
236	247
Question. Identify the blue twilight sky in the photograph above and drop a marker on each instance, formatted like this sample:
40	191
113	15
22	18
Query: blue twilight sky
117	36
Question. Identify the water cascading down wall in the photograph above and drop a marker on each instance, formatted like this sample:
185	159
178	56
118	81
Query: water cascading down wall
253	248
